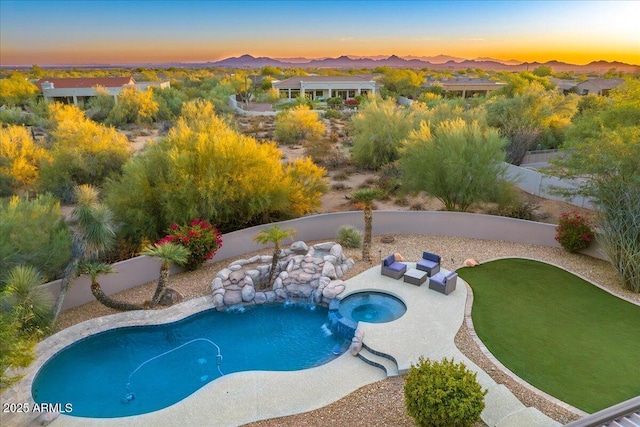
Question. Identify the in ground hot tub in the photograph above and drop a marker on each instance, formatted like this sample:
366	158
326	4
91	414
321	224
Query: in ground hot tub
372	307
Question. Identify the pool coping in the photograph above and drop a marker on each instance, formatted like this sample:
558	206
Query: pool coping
427	329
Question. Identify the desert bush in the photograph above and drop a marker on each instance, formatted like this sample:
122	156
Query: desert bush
298	123
83	152
351	102
33	232
332	114
341	176
339	186
334	102
574	231
443	394
417	206
349	237
20	158
23	291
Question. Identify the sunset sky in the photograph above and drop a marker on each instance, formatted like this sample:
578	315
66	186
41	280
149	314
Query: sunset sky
93	32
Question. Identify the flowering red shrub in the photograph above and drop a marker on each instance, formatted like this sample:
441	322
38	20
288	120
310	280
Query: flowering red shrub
351	102
200	237
574	231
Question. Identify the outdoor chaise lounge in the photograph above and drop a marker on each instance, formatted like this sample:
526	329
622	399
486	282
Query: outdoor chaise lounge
429	263
392	268
443	283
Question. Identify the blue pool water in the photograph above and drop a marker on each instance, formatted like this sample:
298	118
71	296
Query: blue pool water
135	370
372	307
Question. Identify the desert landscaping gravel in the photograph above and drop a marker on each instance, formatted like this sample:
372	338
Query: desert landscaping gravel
382	403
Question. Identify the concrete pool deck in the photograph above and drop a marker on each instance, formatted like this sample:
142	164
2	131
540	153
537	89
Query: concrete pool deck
427	329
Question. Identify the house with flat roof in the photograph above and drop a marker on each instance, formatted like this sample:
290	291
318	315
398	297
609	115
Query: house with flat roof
465	87
79	90
324	87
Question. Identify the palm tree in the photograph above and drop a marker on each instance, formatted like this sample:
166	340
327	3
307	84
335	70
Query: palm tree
169	253
95	269
24	293
367	196
275	235
93	232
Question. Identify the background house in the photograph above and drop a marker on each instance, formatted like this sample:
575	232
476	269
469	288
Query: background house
79	90
465	87
324	87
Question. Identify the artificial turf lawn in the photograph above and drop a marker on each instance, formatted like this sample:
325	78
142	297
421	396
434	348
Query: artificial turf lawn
557	331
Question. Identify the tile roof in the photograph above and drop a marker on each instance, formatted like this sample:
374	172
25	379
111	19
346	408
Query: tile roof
86	82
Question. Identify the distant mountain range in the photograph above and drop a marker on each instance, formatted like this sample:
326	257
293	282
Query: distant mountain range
440	62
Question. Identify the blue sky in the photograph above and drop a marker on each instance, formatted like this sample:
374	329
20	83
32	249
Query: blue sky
57	32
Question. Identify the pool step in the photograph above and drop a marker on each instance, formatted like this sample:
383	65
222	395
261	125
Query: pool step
384	362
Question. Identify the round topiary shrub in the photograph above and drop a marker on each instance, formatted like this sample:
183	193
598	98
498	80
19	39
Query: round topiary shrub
443	394
349	237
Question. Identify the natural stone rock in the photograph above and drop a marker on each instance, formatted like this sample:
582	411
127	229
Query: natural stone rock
232	298
333	289
356	343
266	258
330	258
329	270
218	301
324	246
236	276
248	281
280	294
471	262
248	293
339	272
277	284
224	273
271	296
235	267
336	250
260	298
170	297
241	262
254	274
216	284
254	259
299	246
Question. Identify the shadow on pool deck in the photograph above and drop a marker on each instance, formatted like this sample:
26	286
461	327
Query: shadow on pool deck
428	329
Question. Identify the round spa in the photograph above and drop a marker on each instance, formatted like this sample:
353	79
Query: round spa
372	307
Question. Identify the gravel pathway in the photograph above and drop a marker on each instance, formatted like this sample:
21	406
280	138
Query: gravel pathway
382	403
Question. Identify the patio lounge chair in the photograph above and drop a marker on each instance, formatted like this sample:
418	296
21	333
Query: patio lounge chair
429	263
443	283
392	268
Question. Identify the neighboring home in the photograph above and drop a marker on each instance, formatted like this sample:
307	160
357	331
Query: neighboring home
324	87
564	86
79	90
465	87
597	86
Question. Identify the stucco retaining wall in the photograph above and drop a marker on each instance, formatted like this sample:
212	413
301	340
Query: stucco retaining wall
137	271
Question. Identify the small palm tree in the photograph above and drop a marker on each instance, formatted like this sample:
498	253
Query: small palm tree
169	253
367	196
95	269
32	302
93	232
275	235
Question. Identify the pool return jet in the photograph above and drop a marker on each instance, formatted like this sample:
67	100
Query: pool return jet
129	396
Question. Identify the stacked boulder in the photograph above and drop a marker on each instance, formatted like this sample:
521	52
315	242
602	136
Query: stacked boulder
304	274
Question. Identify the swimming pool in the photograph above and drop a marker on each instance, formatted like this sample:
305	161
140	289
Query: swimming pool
135	370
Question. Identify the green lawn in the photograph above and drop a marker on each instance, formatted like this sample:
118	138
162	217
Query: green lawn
557	331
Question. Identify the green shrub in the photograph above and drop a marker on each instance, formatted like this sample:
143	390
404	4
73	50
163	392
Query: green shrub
443	394
574	232
349	237
332	114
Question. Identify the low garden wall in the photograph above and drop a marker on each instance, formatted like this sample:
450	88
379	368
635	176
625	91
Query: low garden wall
137	271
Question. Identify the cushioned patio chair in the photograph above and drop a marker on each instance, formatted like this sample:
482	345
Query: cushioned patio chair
443	283
429	263
392	268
